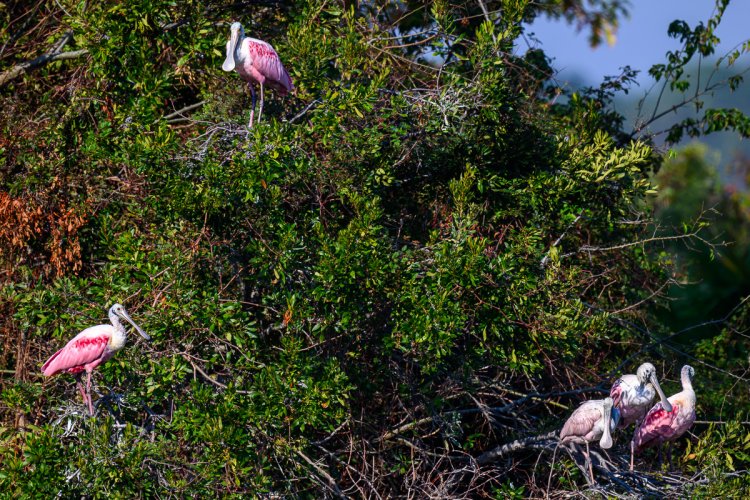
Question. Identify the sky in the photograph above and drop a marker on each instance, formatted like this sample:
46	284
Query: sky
641	39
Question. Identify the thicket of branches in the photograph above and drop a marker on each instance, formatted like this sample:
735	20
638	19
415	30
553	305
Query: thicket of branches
428	251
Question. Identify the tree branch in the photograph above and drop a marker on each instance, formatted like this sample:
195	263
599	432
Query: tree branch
206	376
542	397
559	239
534	442
178	115
25	67
331	482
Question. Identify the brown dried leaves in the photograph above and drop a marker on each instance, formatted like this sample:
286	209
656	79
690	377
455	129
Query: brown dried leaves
36	231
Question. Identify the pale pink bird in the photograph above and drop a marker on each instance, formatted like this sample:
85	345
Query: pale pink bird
660	426
633	395
591	421
89	349
256	61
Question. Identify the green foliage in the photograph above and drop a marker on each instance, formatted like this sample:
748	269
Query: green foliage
337	296
698	43
693	195
721	448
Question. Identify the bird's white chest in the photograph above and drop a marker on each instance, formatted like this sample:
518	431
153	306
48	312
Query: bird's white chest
598	430
242	54
638	395
116	340
685	401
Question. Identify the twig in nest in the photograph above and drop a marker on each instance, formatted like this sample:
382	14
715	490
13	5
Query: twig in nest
533	442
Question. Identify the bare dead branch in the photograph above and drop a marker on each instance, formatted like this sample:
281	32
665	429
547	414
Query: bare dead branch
533	442
40	61
331	482
559	239
305	110
179	112
653	239
655	341
669	281
205	375
486	410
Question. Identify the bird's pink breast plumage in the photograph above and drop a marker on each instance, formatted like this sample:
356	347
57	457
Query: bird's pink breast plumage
85	351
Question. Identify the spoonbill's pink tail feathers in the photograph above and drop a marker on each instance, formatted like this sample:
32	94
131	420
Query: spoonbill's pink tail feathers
50	368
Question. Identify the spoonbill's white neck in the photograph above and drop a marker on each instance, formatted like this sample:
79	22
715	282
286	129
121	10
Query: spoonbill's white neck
119	335
687	383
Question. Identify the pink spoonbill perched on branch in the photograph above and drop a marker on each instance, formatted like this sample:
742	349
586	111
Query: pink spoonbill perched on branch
634	395
662	425
90	348
591	421
256	61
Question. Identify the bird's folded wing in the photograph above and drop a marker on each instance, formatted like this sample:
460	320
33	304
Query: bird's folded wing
267	62
582	421
616	393
79	352
656	424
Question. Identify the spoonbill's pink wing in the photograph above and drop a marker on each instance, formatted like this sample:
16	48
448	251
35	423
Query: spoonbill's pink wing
582	421
84	349
267	62
656	426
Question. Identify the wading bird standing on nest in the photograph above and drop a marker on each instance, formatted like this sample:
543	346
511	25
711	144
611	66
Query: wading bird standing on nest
591	421
89	349
634	395
661	425
256	61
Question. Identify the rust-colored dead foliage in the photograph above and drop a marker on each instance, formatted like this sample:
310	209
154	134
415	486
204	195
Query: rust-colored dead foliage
41	235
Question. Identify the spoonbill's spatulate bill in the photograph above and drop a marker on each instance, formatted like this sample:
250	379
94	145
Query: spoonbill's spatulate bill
256	61
90	348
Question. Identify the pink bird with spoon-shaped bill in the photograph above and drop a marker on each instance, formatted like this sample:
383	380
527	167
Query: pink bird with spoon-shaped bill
660	426
90	348
593	420
634	395
256	61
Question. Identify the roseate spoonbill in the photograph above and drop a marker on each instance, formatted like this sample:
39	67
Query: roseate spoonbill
661	425
90	348
256	61
633	395
591	421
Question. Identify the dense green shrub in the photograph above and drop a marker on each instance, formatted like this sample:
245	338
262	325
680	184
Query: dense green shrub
400	266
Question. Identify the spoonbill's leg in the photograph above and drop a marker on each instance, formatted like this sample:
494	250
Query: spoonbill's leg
632	452
260	112
660	458
588	459
252	108
79	384
88	393
669	455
